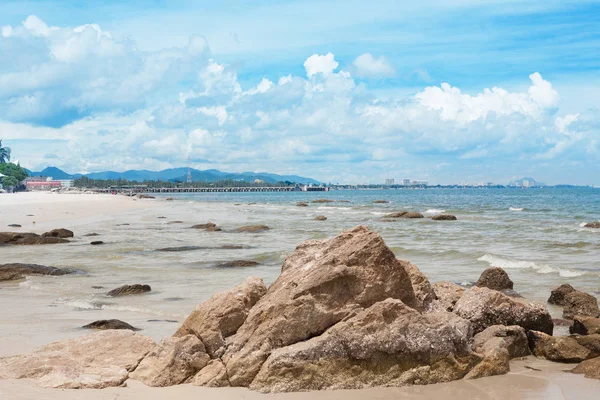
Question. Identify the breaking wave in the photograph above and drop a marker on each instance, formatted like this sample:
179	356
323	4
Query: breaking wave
516	209
505	263
434	211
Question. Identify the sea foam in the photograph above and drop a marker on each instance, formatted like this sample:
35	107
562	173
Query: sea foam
434	211
516	209
505	263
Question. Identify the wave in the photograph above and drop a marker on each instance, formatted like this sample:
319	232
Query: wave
434	211
516	209
505	263
84	305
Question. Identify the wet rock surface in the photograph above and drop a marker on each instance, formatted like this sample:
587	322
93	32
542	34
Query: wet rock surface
580	303
595	225
444	217
209	227
252	229
105	324
18	271
495	278
127	290
558	295
28	238
560	349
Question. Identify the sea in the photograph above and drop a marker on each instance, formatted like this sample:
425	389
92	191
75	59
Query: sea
537	235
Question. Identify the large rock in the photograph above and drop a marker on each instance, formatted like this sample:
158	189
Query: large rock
172	361
96	361
387	344
447	295
556	348
486	307
322	282
126	290
213	375
512	338
27	238
494	278
105	324
585	325
16	271
422	288
580	303
558	295
59	233
496	361
590	342
589	368
221	316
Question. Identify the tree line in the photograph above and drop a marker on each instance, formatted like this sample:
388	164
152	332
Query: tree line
85	182
13	173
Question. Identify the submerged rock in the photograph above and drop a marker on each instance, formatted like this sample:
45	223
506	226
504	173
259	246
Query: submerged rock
105	324
16	271
558	295
129	289
580	303
28	238
91	234
380	201
237	264
96	242
320	218
595	225
444	217
553	348
253	229
93	361
323	201
144	196
404	214
192	248
209	226
59	233
495	278
301	204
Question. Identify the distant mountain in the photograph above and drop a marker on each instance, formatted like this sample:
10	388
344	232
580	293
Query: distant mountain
527	182
178	174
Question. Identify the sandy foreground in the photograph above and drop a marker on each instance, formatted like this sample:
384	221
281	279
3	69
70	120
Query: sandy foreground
529	378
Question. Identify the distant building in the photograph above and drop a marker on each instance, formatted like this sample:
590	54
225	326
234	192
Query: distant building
419	183
46	183
389	182
405	182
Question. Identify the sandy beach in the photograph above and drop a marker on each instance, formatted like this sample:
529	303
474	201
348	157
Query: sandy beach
23	328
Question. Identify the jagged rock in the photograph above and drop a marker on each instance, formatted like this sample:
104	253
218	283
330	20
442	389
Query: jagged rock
585	325
129	289
213	375
96	242
322	282
494	278
320	218
221	316
210	227
580	303
496	361
91	234
105	324
447	294
380	201
558	295
301	204
512	338
237	264
28	238
253	228
378	346
172	361
589	368
323	201
595	225
486	307
16	271
14	225
556	348
590	342
444	217
95	361
59	233
422	289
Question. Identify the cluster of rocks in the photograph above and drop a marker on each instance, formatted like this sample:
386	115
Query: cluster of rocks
344	313
28	238
17	271
415	215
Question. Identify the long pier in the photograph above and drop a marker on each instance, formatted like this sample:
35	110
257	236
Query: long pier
139	189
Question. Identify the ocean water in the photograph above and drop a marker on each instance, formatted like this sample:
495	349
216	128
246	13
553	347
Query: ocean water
536	235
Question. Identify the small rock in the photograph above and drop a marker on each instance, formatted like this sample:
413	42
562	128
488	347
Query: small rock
126	224
91	234
14	225
105	324
595	225
494	278
129	289
556	348
170	199
97	287
175	222
59	233
585	325
558	295
161	217
253	228
320	218
380	201
404	214
495	362
96	242
210	227
580	303
144	196
323	201
444	217
237	263
301	204
589	368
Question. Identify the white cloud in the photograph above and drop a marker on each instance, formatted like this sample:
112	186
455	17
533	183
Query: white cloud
37	27
317	64
366	65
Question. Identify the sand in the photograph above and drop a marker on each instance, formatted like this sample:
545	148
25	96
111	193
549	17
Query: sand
546	381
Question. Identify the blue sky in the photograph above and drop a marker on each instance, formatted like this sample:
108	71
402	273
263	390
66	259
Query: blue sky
343	91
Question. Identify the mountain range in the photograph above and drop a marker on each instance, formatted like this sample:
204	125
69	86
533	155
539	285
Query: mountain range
177	174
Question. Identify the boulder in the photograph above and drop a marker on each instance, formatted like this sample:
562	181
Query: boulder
237	264
422	289
221	316
209	226
512	338
95	361
129	289
494	278
59	233
320	218
585	325
172	361
580	303
253	228
590	342
589	368
595	225
444	217
413	214
496	361
386	344
169	199
556	348
28	238
558	295
446	295
96	242
322	282
301	204
486	307
105	324
398	214
17	271
213	375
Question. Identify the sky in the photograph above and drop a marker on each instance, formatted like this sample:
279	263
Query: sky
340	91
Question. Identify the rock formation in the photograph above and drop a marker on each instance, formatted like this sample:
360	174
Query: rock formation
512	338
444	217
558	295
320	218
580	303
129	289
560	349
595	225
495	278
28	238
301	204
9	272
59	233
105	324
404	214
209	227
253	228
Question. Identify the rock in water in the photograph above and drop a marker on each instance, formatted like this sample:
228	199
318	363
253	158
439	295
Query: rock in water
253	228
590	368
486	307
14	225
595	225
94	361
172	361
96	242
444	217
91	234
301	204
105	324
376	347
17	271
322	282
585	325
580	303
210	227
558	295
237	264
559	349
380	201
495	278
590	342
320	218
221	316
129	289
27	238
59	233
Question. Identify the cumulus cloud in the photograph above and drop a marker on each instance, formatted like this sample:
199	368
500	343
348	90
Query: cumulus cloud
366	65
317	64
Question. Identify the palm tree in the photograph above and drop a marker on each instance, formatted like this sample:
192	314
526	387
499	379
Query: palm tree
4	153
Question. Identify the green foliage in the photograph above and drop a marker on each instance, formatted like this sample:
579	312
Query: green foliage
85	182
14	174
9	181
4	153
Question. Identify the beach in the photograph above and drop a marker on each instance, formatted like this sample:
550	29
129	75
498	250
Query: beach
46	308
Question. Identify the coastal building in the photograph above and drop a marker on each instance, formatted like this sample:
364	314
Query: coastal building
46	183
405	182
389	182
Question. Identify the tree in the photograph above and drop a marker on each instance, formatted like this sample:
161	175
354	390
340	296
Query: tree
4	153
14	174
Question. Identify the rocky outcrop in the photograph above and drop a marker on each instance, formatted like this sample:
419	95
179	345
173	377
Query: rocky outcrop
585	325
9	272
494	278
486	307
95	361
580	303
444	217
558	296
28	238
253	229
556	348
105	324
126	290
589	368
237	264
320	218
221	316
446	295
301	204
512	338
59	233
209	227
422	289
172	361
595	225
